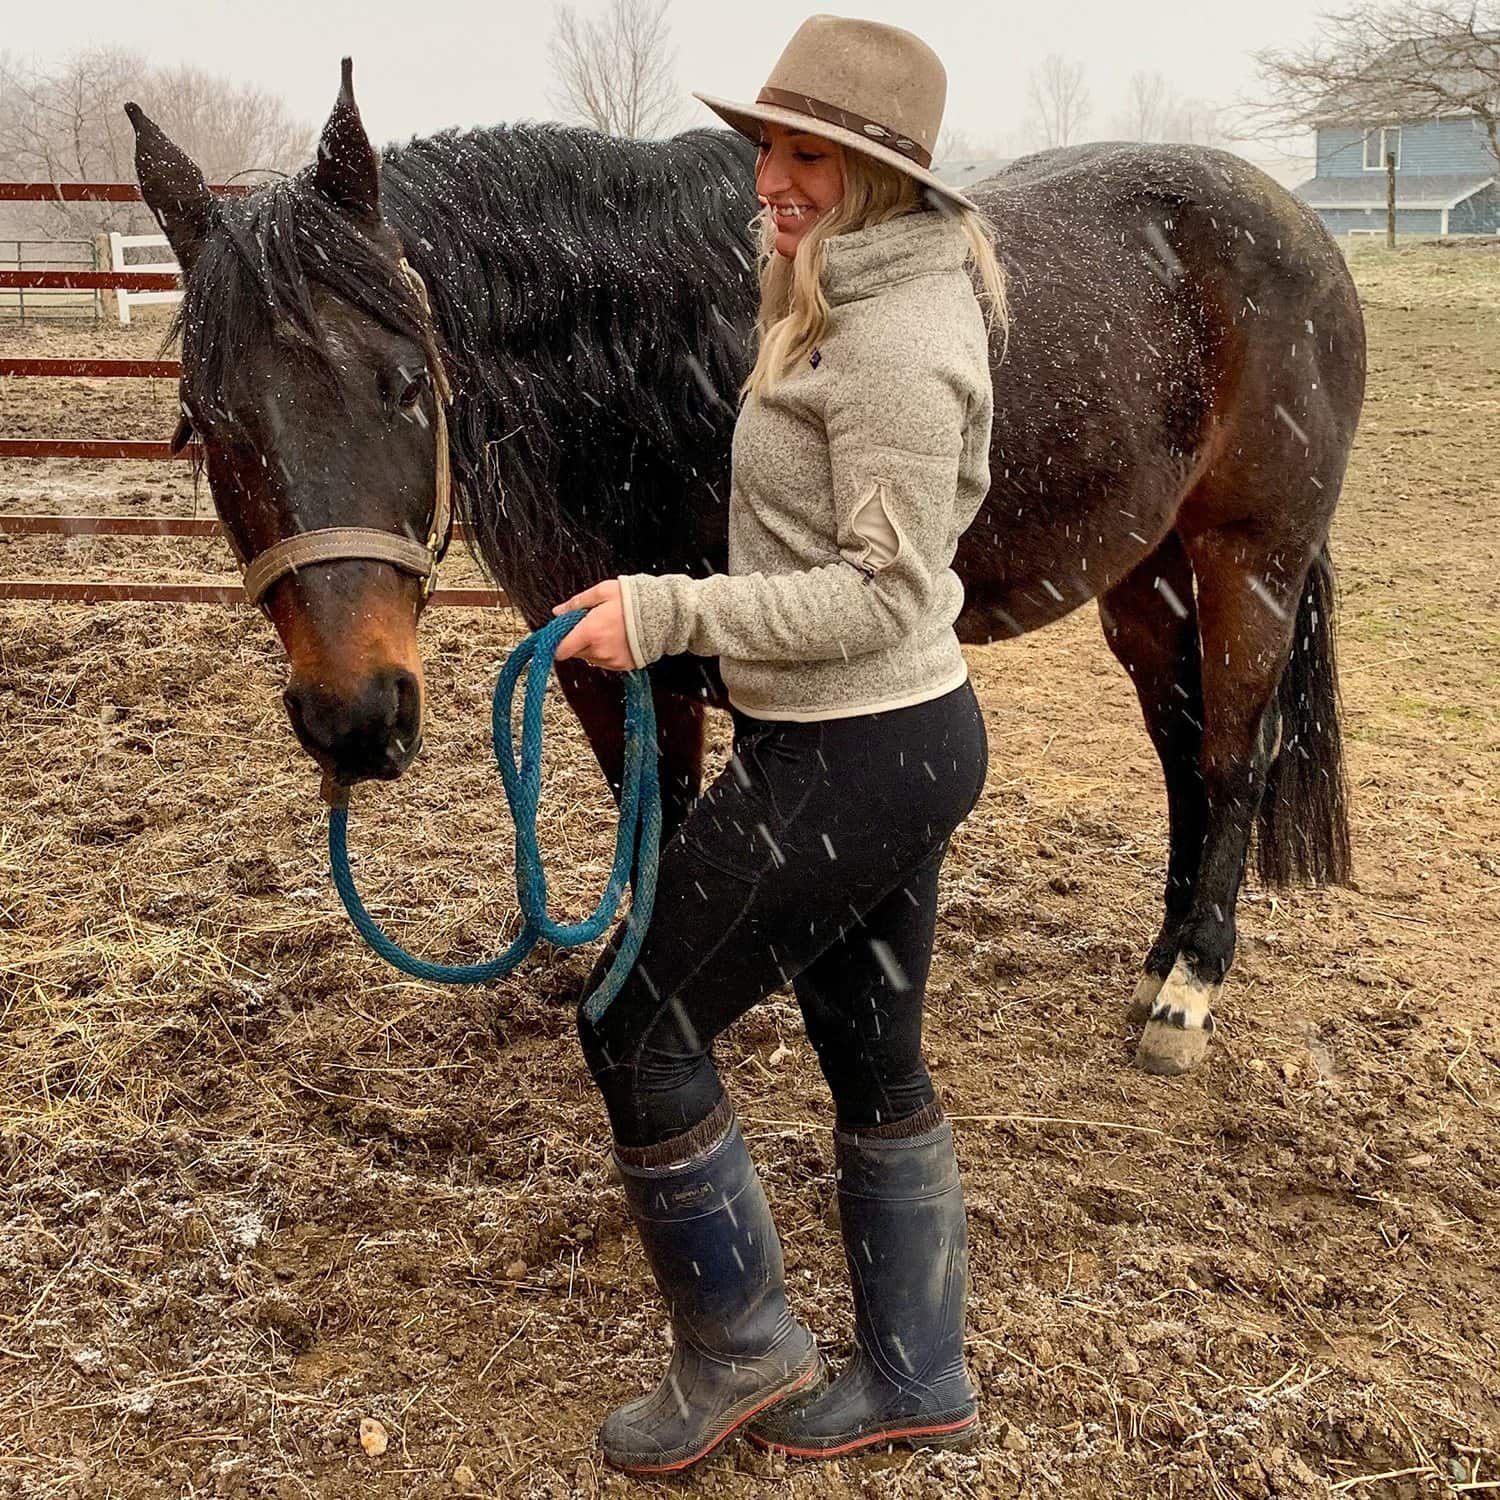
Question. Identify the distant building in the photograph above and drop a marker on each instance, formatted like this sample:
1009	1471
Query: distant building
961	173
1446	174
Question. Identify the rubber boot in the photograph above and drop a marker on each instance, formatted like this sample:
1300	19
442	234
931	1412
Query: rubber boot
736	1349
901	1210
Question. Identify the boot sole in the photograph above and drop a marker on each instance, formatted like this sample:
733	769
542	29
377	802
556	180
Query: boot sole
936	1435
740	1415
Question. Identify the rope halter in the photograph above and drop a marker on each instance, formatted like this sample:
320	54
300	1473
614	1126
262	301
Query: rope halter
338	543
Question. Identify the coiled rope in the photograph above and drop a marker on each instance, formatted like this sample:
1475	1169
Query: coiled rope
637	842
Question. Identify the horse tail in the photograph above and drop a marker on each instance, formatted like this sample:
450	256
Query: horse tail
1303	823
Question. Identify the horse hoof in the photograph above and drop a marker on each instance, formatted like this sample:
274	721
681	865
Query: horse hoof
1168	1050
1180	1023
1147	988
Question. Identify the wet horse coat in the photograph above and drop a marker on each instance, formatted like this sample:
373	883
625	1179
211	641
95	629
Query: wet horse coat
1174	411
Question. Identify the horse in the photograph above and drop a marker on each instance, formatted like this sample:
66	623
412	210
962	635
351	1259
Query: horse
1174	408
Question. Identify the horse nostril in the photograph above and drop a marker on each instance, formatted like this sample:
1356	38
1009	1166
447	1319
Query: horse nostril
315	719
396	705
408	706
395	721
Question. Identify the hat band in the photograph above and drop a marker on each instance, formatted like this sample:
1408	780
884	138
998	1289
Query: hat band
832	114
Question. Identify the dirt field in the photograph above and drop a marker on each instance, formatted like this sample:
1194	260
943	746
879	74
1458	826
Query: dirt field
257	1187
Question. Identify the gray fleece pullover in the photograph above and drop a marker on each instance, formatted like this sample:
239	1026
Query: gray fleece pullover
852	483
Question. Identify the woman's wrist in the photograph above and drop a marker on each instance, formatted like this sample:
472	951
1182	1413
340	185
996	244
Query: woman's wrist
629	605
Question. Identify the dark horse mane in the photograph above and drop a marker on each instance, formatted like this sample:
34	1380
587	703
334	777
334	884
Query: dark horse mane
593	362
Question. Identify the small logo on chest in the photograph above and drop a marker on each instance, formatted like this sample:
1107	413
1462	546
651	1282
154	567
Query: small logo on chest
815	358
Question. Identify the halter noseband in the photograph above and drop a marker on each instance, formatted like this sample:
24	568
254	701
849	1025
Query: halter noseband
338	543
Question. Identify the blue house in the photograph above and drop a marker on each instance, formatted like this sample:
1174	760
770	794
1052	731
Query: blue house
1447	177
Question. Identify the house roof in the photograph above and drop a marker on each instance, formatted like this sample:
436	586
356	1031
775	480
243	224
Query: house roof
1419	78
1413	190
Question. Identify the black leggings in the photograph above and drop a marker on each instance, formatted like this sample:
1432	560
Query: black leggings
811	861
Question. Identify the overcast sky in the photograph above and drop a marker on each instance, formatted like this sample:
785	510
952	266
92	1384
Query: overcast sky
422	64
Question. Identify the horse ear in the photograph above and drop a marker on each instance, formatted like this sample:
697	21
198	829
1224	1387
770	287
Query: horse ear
172	186
348	172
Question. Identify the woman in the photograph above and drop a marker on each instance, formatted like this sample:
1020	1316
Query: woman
860	455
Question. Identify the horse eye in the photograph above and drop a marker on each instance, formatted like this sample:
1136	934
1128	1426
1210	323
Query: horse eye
413	390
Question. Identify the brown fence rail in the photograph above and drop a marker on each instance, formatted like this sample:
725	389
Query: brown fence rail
91	281
93	192
109	526
90	448
29	525
108	591
128	369
112	591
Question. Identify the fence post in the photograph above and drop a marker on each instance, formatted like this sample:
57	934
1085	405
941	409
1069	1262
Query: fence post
117	263
1390	200
104	301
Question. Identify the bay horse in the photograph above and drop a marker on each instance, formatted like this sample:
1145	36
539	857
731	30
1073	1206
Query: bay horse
1174	411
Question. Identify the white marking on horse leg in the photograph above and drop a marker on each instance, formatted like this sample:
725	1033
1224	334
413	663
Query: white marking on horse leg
1147	988
1176	1036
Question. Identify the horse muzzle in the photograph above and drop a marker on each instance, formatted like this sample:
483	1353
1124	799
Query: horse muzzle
371	732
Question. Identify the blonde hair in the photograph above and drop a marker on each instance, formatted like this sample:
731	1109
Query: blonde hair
793	313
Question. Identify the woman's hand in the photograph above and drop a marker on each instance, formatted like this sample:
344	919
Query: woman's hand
599	638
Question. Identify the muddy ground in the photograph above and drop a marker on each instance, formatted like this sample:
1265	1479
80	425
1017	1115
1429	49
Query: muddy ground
257	1187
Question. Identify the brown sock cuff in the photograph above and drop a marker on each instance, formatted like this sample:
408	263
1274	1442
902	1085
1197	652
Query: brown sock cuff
675	1149
926	1120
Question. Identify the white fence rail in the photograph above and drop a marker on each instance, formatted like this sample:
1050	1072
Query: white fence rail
118	245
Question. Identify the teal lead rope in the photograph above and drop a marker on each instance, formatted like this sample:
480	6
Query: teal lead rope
636	844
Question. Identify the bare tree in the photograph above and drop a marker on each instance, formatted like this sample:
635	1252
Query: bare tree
617	72
229	130
1155	111
66	124
959	145
1146	103
1196	122
1059	101
58	126
1378	62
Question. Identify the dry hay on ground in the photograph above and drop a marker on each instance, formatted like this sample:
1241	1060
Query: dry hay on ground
258	1188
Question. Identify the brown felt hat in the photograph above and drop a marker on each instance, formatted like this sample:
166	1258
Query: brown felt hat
873	88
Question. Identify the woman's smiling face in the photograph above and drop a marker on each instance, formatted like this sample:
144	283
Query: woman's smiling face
799	177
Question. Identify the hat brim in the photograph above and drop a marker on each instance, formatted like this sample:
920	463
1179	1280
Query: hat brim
746	117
